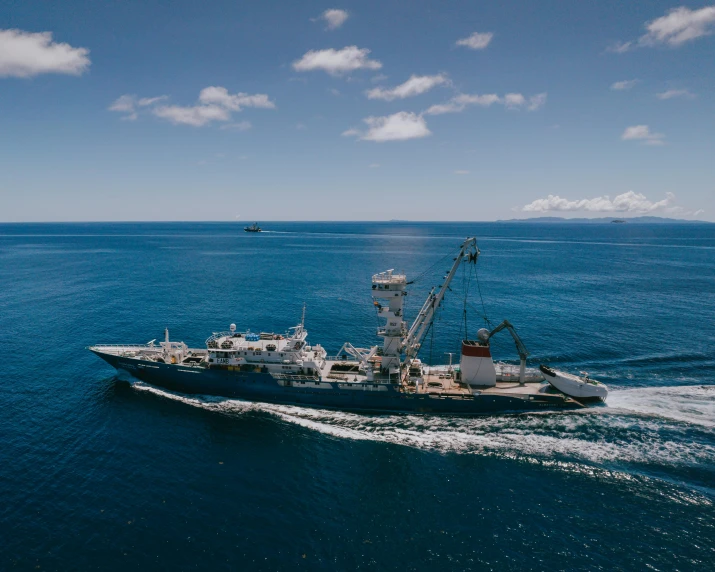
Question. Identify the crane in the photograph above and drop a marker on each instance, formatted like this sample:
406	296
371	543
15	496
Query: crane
486	335
412	341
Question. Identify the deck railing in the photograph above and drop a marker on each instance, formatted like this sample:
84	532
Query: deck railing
344	357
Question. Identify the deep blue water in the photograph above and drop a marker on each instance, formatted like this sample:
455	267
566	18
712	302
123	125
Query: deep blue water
99	475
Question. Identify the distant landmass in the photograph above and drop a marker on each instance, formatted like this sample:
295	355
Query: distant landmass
601	220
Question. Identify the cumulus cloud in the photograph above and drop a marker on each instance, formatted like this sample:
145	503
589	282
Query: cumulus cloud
537	101
624	85
678	26
460	102
333	18
235	102
619	47
396	127
671	93
198	115
477	41
511	101
644	134
514	100
124	103
337	62
215	104
416	85
144	101
351	133
128	104
630	202
27	54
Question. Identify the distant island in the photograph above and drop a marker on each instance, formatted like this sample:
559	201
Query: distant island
601	220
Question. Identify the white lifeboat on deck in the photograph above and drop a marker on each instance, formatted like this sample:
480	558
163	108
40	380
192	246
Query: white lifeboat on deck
582	388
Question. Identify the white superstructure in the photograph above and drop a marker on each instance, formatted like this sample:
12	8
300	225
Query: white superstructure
388	293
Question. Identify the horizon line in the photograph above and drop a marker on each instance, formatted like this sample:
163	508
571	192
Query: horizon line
353	221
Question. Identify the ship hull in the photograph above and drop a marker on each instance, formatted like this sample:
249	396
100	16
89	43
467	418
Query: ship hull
326	394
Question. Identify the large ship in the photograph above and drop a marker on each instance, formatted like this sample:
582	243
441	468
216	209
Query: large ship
286	369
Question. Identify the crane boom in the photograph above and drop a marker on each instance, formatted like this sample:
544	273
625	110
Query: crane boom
520	347
417	331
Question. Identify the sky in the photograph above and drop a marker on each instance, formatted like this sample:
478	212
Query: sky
371	110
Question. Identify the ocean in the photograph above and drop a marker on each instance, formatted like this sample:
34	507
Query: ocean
98	474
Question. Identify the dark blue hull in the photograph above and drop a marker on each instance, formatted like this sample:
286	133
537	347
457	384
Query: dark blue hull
329	394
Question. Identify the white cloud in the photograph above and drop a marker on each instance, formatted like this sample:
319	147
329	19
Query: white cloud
671	93
461	172
537	101
27	54
144	101
627	202
198	115
234	102
127	104
643	133
334	18
337	62
484	100
123	104
441	108
477	41
215	104
239	126
677	27
396	127
416	85
514	100
624	85
619	47
335	92
511	101
460	102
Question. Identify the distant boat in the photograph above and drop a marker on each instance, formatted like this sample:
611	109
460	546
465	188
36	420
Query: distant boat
253	228
618	220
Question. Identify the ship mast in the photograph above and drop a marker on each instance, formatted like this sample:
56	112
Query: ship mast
412	341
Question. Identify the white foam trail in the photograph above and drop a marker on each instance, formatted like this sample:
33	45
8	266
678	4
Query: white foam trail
601	435
691	403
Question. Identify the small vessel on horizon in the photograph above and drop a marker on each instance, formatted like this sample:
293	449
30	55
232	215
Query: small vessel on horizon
253	228
285	369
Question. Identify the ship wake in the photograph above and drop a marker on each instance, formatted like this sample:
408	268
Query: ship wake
659	428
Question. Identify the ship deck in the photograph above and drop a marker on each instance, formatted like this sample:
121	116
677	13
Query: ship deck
441	384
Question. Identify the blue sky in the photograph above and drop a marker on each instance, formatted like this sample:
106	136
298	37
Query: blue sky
371	110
